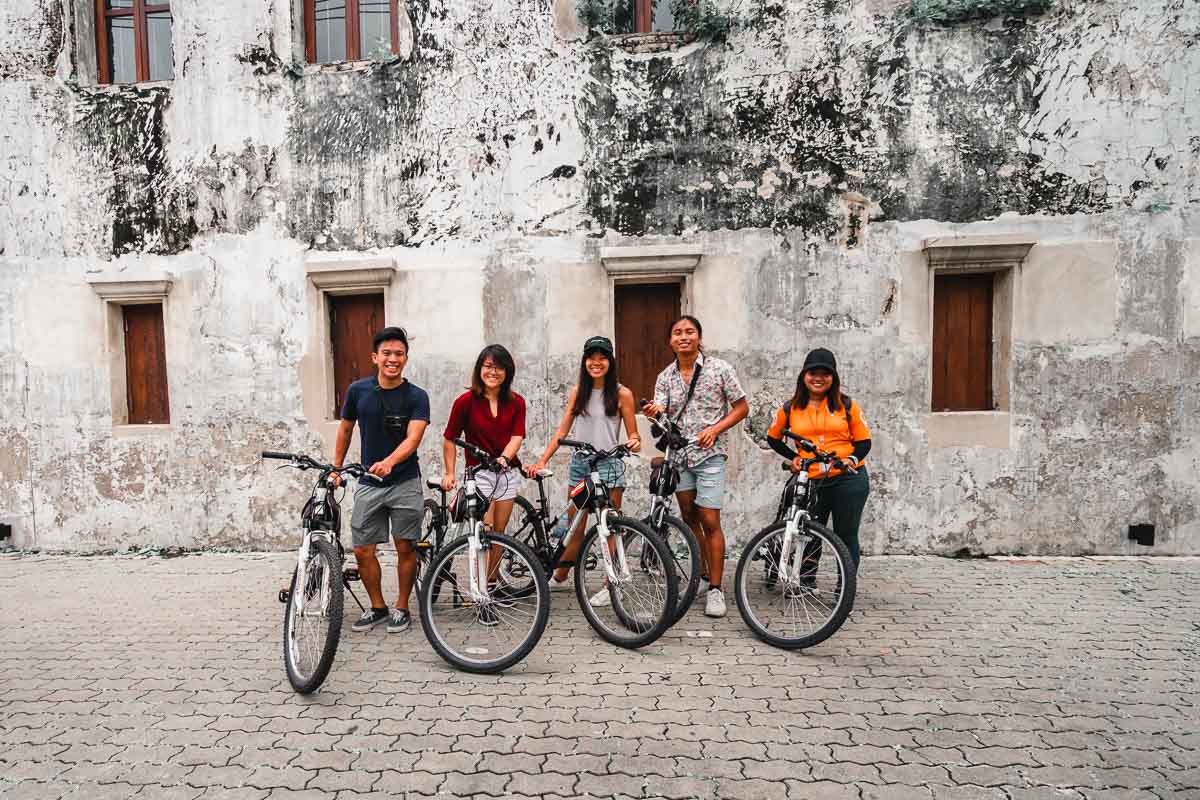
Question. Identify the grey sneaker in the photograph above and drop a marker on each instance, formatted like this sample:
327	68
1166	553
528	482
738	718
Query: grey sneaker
370	618
399	620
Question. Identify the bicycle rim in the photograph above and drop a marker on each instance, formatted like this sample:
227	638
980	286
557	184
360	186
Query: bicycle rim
311	633
489	634
800	600
637	609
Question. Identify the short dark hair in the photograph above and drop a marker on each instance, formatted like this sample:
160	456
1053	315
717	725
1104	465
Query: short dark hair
689	318
498	353
389	334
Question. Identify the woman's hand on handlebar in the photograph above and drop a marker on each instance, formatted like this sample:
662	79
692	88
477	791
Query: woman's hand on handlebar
797	465
634	444
449	482
651	410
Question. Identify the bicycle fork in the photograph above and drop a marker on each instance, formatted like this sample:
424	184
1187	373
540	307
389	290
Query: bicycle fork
616	569
477	564
789	570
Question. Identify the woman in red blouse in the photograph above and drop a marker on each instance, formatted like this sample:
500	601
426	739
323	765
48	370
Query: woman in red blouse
491	416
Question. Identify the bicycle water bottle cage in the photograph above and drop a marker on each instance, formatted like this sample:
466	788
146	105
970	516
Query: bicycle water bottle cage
663	477
583	492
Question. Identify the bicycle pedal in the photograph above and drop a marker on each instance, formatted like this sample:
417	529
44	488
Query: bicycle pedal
351	575
424	545
284	596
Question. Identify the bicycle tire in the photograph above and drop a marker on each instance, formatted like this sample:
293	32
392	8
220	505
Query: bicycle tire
432	531
641	633
320	552
844	595
673	528
432	629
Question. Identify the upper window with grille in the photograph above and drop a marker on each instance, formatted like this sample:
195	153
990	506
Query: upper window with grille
133	41
351	30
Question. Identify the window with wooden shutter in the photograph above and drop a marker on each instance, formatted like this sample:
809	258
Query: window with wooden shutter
146	365
354	320
642	312
962	342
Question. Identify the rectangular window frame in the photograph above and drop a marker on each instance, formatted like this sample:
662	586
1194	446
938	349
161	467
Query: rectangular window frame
331	298
130	418
353	36
944	284
141	37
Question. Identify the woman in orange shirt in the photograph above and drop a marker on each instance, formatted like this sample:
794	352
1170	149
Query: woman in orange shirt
820	412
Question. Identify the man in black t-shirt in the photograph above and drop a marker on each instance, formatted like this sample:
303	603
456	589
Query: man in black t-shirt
392	415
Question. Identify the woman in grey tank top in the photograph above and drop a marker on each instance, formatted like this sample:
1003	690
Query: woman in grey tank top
596	410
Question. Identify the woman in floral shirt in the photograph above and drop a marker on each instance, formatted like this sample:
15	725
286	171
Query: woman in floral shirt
704	397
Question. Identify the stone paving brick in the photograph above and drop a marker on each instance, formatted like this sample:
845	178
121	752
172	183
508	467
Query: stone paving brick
914	698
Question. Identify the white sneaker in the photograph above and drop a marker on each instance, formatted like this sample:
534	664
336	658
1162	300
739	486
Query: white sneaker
702	588
600	598
561	586
715	607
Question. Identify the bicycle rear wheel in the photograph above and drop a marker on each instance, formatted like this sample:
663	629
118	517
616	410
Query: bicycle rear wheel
529	531
637	609
685	551
311	633
802	602
495	633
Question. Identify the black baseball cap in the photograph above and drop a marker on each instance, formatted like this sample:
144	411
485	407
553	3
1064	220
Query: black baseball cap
820	359
601	343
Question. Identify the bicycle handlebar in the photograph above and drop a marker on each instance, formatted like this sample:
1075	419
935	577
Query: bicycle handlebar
303	462
484	457
819	456
594	455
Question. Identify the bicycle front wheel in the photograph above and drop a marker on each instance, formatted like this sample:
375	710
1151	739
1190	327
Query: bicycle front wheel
799	599
636	609
488	634
312	622
684	548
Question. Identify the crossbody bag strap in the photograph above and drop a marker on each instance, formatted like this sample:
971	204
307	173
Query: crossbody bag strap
691	391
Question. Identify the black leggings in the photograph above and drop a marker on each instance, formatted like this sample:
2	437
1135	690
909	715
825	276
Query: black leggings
843	497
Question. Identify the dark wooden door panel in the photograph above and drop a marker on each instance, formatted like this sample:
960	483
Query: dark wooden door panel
643	312
962	343
146	365
353	322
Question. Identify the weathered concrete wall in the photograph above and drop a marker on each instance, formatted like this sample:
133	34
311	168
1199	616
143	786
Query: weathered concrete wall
807	159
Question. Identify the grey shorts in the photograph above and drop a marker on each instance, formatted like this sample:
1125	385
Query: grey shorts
375	507
707	480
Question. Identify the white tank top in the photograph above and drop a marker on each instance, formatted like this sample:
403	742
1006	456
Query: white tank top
600	431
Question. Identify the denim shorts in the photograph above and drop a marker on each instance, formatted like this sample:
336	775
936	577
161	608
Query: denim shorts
612	471
707	480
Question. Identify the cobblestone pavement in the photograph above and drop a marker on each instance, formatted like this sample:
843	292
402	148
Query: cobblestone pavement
162	678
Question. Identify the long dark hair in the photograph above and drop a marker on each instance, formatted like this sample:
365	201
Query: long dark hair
691	319
583	392
501	356
834	397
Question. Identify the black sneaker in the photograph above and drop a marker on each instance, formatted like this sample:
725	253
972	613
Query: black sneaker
370	618
399	620
487	615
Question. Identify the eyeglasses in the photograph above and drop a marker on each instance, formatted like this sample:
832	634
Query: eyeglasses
490	367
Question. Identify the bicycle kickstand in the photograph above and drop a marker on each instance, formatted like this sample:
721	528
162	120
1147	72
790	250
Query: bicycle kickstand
346	583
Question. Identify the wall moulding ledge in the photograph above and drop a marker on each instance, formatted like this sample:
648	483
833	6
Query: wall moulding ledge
130	291
977	253
656	259
351	274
